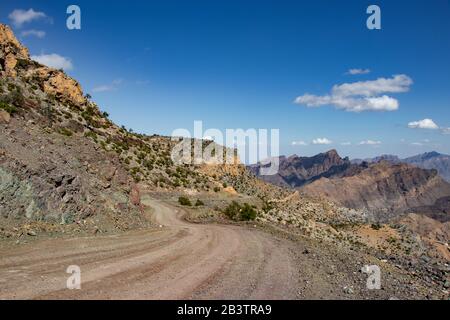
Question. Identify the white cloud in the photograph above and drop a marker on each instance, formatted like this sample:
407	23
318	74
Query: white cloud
19	17
322	141
423	124
54	61
108	87
369	143
299	143
37	33
361	96
445	130
354	72
417	144
346	144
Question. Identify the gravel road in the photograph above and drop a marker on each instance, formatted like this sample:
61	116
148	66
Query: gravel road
189	261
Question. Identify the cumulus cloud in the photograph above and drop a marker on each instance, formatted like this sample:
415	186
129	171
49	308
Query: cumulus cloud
369	143
346	144
320	141
354	72
299	143
54	61
423	124
108	87
36	33
361	96
20	17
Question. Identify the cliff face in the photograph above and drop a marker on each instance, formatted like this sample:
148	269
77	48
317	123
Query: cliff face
386	190
297	171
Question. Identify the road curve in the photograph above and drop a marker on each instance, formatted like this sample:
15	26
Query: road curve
178	261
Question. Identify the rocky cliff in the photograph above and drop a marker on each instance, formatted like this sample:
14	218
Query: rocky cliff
297	171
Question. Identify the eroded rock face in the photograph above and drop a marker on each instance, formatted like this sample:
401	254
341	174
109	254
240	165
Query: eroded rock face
58	84
10	51
10	44
54	82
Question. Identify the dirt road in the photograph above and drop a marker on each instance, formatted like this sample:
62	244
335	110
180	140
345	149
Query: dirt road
178	261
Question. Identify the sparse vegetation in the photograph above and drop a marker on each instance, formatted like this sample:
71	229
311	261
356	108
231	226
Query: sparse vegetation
238	212
65	132
184	201
7	107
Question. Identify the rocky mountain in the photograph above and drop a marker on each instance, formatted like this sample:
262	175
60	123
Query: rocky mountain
429	160
298	171
385	157
432	160
386	190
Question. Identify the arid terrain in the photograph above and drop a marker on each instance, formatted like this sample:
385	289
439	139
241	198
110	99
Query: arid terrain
77	189
180	260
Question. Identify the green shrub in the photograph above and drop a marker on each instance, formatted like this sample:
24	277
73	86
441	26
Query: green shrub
65	132
185	201
238	212
248	213
233	211
216	189
8	108
199	203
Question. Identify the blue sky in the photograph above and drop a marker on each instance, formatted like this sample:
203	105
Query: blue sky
156	66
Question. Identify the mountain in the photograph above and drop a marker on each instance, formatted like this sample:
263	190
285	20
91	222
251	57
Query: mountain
386	190
62	161
430	160
385	157
297	171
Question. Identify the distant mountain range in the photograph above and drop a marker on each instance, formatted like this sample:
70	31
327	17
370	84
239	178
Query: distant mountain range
385	185
429	160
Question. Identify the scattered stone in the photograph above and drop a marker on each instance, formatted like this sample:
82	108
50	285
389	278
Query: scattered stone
348	290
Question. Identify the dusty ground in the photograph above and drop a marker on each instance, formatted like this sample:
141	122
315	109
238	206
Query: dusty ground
194	261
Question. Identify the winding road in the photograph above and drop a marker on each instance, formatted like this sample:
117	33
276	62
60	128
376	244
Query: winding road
184	261
178	261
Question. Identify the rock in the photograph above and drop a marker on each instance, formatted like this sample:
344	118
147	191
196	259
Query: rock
5	117
135	195
447	284
348	290
31	233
